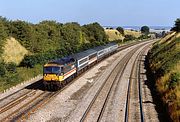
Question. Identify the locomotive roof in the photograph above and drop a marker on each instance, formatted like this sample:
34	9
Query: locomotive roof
111	44
79	55
83	54
90	51
99	48
62	61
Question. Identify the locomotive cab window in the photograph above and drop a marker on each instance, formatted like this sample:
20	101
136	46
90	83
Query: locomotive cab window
52	70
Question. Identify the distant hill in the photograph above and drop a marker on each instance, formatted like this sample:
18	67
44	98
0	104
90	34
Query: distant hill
13	51
113	34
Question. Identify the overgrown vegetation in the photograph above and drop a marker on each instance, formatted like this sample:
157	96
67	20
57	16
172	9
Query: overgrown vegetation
164	64
44	41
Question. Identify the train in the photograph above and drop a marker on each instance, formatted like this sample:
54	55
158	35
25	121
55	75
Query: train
57	73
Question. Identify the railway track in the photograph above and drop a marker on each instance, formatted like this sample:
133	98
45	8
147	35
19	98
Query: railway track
15	108
96	108
32	104
134	107
16	101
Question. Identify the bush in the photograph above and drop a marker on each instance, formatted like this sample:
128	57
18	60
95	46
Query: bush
118	41
11	67
144	36
28	61
174	79
2	69
129	38
120	29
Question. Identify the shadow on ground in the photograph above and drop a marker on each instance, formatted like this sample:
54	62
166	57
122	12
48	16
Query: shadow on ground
36	86
160	108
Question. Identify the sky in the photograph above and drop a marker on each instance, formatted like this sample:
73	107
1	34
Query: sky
105	12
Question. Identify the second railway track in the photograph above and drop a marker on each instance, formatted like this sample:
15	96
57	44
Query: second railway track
134	108
97	106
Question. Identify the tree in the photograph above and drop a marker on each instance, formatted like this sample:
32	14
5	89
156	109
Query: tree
177	25
129	38
145	29
163	33
2	69
120	29
95	34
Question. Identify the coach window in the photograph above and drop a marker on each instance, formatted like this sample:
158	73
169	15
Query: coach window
82	61
92	56
101	52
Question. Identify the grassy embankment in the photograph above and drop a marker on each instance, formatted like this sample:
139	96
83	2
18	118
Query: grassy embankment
164	64
14	52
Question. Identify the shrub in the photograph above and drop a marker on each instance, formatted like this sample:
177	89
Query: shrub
120	29
174	80
28	61
2	69
129	38
11	67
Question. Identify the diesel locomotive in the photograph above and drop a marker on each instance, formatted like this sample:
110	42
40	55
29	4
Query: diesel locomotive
58	73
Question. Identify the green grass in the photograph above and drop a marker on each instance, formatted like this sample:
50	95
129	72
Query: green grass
22	74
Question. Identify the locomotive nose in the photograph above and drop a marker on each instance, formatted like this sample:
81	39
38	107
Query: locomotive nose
50	77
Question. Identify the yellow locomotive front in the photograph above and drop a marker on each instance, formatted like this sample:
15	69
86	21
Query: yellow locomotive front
57	73
52	75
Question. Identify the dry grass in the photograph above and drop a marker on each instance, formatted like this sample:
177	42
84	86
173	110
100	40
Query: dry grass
168	37
114	34
133	33
170	96
13	51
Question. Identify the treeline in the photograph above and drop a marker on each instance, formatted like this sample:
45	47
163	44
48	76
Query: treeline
51	39
176	25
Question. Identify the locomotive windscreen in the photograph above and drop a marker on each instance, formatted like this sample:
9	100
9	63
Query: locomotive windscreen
51	70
